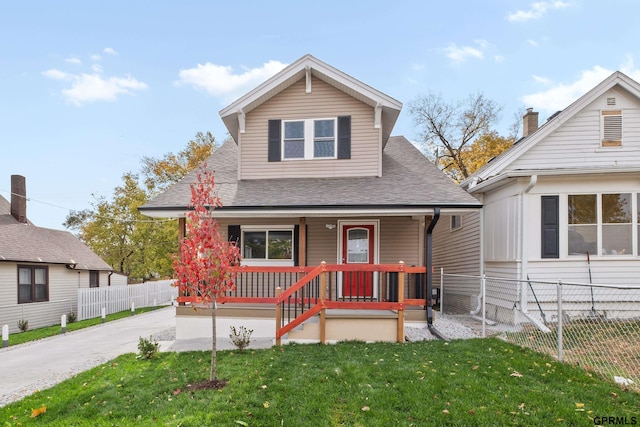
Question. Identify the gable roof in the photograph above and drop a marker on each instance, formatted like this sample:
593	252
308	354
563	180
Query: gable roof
27	243
390	108
495	169
410	184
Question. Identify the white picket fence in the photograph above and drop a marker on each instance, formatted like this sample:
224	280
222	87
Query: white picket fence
119	298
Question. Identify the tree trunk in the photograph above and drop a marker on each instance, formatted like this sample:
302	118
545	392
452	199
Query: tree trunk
212	374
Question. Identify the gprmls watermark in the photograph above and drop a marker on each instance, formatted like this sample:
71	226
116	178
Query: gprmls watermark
616	421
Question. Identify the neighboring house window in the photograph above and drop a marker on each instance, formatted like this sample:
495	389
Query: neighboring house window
456	222
321	138
600	224
612	128
33	284
94	279
309	139
266	244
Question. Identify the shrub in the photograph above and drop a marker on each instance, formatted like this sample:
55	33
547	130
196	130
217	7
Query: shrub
71	317
147	348
241	337
23	325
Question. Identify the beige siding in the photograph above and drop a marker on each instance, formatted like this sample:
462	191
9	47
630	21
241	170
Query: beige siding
457	251
400	241
577	143
324	102
63	284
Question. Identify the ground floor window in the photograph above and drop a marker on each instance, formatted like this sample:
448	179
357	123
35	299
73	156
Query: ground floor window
33	284
94	279
601	224
267	244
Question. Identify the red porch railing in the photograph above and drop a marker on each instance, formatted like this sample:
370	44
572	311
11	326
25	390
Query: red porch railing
302	292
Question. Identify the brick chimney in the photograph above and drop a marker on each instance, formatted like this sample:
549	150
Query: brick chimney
19	198
529	122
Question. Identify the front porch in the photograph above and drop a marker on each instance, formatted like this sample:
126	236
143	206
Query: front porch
326	303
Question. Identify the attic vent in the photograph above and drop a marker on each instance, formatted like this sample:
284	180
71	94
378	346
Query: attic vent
611	102
612	128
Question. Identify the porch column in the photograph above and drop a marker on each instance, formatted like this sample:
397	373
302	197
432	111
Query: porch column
302	241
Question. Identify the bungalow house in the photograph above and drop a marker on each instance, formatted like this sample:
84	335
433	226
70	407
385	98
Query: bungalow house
312	174
562	204
41	269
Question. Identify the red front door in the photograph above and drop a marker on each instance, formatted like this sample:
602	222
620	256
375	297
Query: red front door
357	248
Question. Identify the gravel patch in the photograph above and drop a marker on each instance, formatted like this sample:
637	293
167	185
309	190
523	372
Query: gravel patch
449	326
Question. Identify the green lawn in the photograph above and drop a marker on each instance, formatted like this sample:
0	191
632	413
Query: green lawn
49	331
480	382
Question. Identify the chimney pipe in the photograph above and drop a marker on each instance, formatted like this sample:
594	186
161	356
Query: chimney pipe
19	198
529	122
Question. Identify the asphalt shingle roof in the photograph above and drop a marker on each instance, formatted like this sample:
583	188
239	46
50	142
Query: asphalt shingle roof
28	243
408	179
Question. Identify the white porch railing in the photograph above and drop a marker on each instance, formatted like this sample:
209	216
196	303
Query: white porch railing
119	298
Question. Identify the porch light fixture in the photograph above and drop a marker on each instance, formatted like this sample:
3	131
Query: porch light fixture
330	226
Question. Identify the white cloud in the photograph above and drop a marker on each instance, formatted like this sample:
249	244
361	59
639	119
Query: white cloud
96	68
96	57
57	74
499	58
93	87
561	95
220	80
537	10
461	54
532	43
110	51
73	61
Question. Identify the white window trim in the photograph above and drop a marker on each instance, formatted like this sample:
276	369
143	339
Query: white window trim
269	262
564	225
309	130
451	223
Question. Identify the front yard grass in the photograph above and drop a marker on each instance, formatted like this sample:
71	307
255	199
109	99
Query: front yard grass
50	331
479	382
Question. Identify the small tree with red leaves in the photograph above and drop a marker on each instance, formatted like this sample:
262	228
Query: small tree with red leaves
203	265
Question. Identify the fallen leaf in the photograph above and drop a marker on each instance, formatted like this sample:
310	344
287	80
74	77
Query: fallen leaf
264	386
521	406
365	408
38	411
579	405
445	411
176	392
242	423
471	412
266	404
516	374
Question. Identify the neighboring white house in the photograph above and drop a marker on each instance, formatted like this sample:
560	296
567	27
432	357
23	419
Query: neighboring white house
567	188
41	269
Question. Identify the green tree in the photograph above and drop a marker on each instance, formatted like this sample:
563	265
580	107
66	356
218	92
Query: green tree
484	148
159	173
130	242
448	130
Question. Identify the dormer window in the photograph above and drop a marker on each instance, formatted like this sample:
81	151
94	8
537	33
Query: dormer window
612	128
309	139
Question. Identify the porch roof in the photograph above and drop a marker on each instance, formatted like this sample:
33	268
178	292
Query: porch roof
410	185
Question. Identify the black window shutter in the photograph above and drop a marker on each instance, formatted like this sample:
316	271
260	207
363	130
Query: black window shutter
233	234
274	140
344	137
296	245
550	224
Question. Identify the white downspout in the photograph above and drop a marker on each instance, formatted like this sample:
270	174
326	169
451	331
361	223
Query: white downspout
533	179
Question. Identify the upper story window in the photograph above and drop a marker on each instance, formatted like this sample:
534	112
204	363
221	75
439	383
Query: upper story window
612	128
33	284
309	139
320	138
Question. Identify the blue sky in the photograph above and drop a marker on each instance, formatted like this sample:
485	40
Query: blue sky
89	88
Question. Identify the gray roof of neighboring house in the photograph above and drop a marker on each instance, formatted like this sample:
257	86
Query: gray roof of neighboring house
408	180
28	243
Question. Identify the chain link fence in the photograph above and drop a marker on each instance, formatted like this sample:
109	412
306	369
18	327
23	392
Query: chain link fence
595	326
